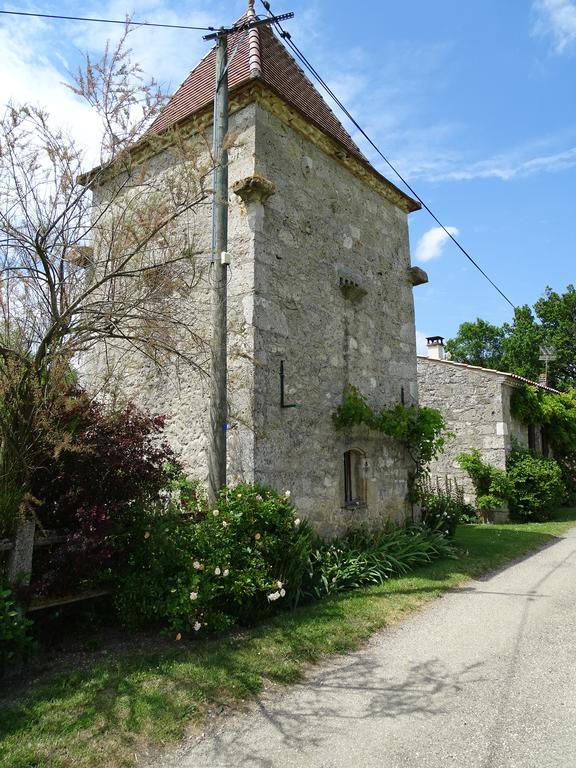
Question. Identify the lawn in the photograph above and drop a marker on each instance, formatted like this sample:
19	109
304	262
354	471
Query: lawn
124	699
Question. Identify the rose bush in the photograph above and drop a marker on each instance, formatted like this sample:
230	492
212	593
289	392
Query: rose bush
212	568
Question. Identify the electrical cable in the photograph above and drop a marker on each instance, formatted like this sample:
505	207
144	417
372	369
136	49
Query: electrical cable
288	40
106	21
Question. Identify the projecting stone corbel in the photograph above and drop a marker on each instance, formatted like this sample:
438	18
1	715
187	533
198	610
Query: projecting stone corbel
254	189
417	276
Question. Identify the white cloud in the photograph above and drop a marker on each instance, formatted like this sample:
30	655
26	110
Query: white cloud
38	56
556	19
167	54
432	242
33	78
503	167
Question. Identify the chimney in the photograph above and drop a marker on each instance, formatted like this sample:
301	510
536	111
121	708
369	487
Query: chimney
435	346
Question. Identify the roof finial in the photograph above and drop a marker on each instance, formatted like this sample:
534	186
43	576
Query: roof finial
254	53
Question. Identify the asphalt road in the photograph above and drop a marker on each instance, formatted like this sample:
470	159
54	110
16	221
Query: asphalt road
485	677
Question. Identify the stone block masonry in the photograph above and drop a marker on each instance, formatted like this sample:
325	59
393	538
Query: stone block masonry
333	301
475	403
319	280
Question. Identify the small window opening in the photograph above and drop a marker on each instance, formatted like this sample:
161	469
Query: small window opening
531	437
402	396
354	481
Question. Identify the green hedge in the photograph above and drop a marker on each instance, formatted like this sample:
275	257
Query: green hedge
536	485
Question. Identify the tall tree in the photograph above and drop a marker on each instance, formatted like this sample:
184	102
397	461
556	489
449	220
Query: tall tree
521	344
477	343
557	315
515	347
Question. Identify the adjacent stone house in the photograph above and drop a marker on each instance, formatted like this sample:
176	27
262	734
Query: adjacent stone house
475	403
320	296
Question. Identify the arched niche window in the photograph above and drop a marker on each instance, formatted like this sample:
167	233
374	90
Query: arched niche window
354	478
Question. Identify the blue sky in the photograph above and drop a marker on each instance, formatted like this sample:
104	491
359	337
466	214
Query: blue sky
474	102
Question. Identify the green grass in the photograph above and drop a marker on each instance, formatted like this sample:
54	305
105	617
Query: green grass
105	712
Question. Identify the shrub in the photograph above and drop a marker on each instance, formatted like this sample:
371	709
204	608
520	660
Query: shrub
121	449
99	463
444	507
205	569
361	558
557	413
491	484
536	485
14	639
212	568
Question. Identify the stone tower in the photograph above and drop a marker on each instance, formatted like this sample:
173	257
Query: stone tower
320	296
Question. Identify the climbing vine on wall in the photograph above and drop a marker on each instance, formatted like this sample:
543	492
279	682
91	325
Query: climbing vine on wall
422	431
557	412
532	405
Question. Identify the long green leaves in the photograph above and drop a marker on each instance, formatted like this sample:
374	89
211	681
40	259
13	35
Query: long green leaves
362	558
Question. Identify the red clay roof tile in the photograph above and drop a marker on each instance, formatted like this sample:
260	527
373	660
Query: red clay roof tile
278	70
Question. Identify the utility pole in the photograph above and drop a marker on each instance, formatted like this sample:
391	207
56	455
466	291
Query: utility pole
220	262
219	280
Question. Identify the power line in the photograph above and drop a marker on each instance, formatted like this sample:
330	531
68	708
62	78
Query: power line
288	40
106	21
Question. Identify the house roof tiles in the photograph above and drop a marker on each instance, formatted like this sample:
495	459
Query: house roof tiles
258	55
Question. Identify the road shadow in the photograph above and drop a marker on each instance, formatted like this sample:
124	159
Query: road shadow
317	711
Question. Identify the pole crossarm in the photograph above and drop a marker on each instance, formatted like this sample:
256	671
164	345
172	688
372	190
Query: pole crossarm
245	26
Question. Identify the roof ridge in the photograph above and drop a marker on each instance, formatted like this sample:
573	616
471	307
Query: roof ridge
253	56
258	56
254	45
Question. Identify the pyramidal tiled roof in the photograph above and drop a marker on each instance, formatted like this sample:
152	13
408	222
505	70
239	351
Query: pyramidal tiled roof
261	56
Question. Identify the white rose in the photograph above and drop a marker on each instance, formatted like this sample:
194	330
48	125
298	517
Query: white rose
197	626
193	595
282	593
217	571
226	572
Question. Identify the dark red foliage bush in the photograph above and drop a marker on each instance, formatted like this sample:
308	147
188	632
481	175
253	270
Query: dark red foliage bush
96	463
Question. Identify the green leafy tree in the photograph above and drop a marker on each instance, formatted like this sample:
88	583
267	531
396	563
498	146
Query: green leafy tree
557	315
521	344
515	347
478	343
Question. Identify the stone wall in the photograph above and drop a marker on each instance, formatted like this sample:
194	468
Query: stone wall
319	279
324	227
472	403
181	392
